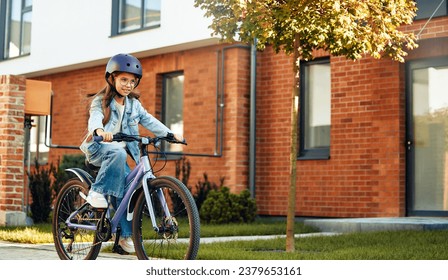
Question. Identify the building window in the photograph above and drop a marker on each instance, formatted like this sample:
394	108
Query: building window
15	28
173	106
426	8
315	109
132	15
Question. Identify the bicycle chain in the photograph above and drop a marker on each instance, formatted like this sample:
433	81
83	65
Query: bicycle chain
80	218
89	219
93	244
85	248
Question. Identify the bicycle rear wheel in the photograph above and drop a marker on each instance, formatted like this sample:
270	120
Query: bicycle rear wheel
178	236
74	243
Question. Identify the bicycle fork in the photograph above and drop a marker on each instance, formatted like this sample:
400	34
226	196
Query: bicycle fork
162	200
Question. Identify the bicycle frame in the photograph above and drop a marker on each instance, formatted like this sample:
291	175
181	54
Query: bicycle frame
140	174
163	203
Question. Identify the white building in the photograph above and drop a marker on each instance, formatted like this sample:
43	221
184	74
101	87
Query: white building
63	35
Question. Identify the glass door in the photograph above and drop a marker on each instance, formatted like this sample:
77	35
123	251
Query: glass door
427	139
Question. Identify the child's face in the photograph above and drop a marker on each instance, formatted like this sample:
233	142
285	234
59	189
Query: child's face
125	83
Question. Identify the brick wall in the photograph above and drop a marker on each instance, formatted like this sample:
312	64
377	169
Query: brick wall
274	91
436	28
12	96
201	68
365	174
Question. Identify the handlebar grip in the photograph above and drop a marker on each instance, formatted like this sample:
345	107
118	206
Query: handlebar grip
97	138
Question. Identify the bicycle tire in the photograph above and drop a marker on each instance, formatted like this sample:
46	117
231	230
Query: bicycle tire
74	244
180	240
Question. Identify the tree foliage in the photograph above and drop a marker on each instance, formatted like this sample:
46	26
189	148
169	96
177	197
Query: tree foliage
350	28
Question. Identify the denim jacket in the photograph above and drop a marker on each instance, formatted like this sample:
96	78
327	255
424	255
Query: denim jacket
134	114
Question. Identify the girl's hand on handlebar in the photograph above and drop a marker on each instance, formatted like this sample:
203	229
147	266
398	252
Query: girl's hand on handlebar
179	137
107	136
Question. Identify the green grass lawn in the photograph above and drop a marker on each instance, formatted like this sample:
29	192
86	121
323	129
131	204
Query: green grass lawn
395	245
41	233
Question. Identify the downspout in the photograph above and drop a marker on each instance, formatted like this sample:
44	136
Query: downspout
252	118
25	196
219	110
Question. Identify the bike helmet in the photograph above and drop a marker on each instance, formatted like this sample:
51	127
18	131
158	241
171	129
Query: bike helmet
124	63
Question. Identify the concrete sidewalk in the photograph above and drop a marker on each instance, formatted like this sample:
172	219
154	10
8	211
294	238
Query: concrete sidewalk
378	224
17	251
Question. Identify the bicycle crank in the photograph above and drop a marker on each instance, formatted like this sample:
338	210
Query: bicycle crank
104	228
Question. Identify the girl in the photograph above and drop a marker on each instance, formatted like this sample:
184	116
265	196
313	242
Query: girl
114	109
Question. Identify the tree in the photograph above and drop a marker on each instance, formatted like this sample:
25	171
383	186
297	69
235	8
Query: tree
350	28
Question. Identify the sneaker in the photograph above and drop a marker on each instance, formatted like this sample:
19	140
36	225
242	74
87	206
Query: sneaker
127	244
96	199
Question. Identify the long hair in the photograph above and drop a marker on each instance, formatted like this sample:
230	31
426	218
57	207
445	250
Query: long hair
108	93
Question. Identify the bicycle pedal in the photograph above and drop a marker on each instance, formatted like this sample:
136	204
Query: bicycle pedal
117	249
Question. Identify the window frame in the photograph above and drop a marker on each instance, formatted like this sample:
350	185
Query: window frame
418	3
37	147
5	15
165	146
310	153
116	19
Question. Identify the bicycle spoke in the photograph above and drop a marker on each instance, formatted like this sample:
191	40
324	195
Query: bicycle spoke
74	243
178	234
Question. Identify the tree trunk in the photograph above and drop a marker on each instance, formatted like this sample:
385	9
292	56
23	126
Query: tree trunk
290	220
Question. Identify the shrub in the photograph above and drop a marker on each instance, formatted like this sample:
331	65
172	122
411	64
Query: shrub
61	176
202	187
221	206
183	167
45	184
40	188
248	209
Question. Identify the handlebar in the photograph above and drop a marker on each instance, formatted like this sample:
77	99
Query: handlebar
120	137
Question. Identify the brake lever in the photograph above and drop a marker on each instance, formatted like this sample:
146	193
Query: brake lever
171	139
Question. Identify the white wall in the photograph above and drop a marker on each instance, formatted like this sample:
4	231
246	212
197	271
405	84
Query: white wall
69	34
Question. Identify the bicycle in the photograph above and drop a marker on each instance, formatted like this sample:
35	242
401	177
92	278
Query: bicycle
165	219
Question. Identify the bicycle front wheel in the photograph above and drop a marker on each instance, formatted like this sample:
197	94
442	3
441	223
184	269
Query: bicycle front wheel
178	234
74	243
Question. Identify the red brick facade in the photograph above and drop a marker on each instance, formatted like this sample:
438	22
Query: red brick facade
366	173
12	96
200	69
